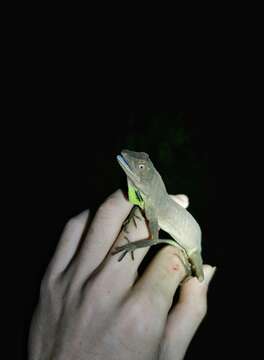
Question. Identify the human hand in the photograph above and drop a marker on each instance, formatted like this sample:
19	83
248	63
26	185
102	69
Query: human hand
93	307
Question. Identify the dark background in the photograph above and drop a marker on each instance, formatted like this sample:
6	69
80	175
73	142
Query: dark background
70	166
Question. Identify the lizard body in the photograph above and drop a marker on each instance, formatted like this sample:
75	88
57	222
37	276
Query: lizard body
147	190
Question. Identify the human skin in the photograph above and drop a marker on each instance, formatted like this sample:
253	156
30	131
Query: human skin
93	307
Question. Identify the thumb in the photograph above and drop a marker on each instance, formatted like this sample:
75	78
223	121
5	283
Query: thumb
181	199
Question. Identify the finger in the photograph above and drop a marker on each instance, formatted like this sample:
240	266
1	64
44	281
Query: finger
187	315
68	244
181	199
102	232
161	278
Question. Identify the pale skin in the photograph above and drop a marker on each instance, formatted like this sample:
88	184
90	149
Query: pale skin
93	307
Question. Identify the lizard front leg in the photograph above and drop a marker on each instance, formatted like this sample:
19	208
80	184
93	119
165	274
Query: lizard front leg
131	246
130	217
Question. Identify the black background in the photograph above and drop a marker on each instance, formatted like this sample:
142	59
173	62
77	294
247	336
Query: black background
70	165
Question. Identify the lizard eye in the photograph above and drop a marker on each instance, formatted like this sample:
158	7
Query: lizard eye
141	166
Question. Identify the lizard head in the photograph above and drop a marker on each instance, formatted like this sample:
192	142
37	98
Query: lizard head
138	168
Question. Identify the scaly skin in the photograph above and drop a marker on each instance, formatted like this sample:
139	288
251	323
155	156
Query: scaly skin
147	190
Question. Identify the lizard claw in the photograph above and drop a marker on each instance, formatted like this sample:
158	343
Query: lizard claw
131	251
122	256
134	221
126	248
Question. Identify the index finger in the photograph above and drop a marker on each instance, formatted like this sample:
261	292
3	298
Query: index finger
102	233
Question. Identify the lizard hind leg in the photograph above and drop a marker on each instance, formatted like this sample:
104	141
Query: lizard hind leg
131	246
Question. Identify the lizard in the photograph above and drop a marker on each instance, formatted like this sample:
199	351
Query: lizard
147	191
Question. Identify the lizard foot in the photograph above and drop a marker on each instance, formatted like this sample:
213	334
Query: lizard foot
131	246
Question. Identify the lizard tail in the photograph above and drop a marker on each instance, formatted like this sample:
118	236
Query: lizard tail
197	264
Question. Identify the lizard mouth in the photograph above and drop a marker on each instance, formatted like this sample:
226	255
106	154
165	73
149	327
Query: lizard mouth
126	167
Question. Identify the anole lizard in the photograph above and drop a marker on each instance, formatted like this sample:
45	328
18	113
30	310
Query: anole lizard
146	189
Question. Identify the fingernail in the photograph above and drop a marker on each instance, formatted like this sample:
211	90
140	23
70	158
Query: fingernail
209	275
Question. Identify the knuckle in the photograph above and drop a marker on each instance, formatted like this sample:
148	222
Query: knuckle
48	285
140	317
195	303
107	208
200	308
139	308
73	223
77	221
133	325
96	295
45	288
51	298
